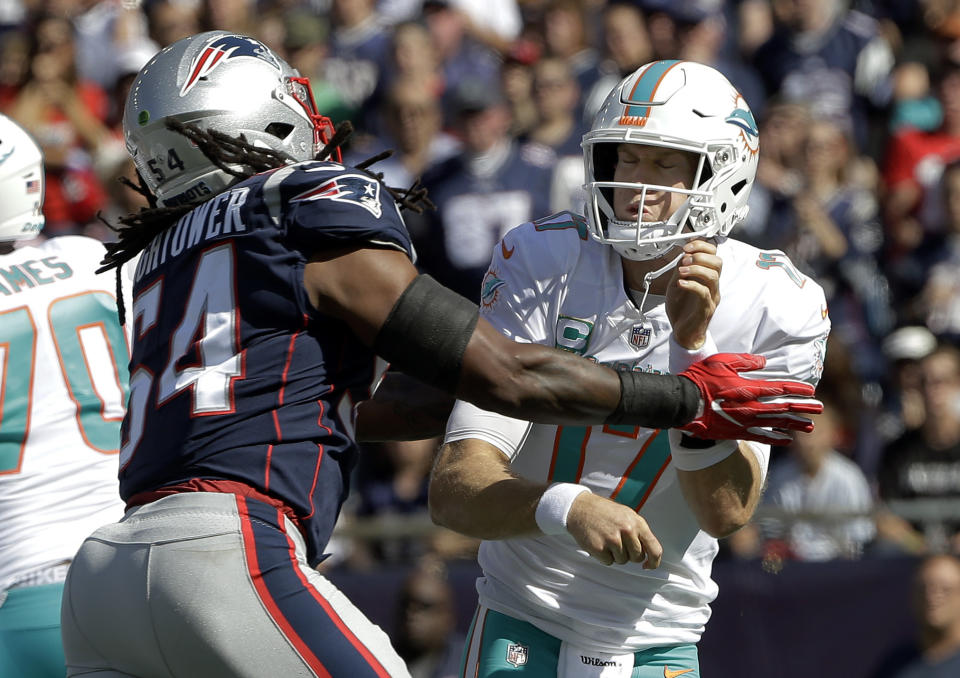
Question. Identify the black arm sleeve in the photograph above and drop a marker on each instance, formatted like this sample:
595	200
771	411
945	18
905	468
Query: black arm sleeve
427	332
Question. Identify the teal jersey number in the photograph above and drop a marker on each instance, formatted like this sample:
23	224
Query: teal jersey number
74	321
18	342
69	316
637	480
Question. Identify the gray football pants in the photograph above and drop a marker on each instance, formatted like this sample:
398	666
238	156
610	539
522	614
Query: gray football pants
211	585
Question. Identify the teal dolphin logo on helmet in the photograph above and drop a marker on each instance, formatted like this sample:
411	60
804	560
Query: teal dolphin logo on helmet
743	119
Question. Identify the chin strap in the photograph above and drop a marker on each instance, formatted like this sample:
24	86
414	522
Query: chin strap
653	275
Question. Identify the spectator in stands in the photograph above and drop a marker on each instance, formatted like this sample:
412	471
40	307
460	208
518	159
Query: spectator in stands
913	207
14	65
914	104
555	94
425	635
936	603
491	186
940	297
696	30
392	480
626	44
925	463
833	58
237	16
67	117
835	235
493	23
901	408
784	127
415	59
171	20
566	35
359	51
411	118
559	128
102	29
462	57
904	348
817	479
305	43
516	78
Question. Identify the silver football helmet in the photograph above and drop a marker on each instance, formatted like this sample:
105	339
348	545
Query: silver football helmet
684	106
21	183
222	81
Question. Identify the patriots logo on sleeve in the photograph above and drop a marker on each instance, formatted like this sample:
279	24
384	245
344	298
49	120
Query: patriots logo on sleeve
219	51
355	189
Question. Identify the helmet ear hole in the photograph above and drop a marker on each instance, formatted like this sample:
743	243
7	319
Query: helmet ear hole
280	130
604	165
604	161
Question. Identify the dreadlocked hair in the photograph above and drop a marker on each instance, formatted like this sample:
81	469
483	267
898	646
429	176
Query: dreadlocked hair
136	231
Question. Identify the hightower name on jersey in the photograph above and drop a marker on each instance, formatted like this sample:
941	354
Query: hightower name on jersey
209	220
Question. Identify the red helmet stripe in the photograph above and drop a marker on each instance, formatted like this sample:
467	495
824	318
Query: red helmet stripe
198	69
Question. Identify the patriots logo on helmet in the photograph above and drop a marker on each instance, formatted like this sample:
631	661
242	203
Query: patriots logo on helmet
222	49
355	189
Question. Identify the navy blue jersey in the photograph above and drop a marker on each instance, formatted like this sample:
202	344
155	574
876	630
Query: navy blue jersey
474	212
234	375
844	75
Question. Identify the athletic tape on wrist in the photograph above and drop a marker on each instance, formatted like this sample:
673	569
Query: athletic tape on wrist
655	400
693	454
554	505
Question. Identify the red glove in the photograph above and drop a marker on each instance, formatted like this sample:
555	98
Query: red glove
738	408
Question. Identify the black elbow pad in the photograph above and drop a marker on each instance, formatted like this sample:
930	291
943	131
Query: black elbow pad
427	332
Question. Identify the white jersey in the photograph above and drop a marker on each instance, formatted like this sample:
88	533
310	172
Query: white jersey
550	283
63	363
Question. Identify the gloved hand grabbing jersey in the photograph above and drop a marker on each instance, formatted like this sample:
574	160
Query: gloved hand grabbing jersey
737	407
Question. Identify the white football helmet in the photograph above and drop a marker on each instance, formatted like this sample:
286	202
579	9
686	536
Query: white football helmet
21	183
222	81
680	105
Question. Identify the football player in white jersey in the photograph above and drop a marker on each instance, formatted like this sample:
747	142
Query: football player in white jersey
648	280
63	384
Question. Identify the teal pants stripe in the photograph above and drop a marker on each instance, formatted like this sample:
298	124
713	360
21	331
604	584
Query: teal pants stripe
30	645
503	647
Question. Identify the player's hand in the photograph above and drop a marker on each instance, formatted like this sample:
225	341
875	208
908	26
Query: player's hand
612	532
694	292
738	408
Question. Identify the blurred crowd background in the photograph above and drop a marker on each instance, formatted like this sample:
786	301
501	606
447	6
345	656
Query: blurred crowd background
485	101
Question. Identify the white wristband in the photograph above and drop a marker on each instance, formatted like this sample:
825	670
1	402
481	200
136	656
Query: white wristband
681	358
554	506
695	459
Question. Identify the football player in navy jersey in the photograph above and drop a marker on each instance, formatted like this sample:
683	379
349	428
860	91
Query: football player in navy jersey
267	283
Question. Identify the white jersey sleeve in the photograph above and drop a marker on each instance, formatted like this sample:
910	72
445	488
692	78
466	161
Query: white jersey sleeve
785	310
469	421
515	293
63	363
515	299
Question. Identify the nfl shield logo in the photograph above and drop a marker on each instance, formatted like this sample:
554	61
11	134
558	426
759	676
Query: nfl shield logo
517	654
640	336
